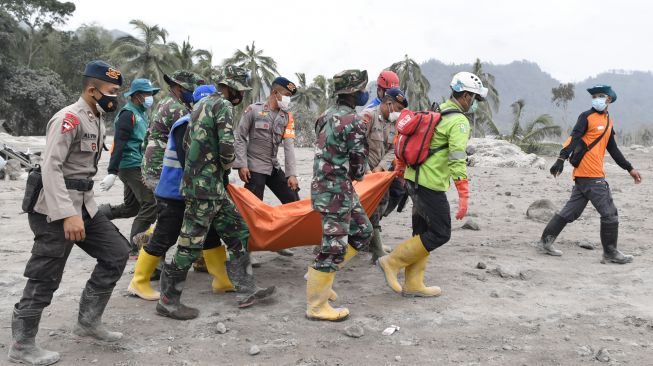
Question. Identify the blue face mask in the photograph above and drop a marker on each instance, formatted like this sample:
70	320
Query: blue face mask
362	98
599	103
187	96
473	108
148	102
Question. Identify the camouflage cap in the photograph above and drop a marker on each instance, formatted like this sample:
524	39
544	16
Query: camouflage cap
235	77
187	79
350	81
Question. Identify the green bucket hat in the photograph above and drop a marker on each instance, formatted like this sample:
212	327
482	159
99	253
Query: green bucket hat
603	89
350	81
186	79
141	85
235	77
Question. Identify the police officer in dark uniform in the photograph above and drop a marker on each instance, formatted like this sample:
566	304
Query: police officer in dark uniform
63	212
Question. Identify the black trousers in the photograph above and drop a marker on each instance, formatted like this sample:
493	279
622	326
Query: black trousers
431	216
51	250
595	190
168	227
277	183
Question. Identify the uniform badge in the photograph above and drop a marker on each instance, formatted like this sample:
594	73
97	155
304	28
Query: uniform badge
69	123
262	125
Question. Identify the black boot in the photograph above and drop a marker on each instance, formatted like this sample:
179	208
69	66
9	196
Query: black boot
24	326
240	274
105	209
89	322
551	232
172	285
609	235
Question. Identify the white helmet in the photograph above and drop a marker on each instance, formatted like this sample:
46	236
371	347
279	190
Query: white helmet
466	81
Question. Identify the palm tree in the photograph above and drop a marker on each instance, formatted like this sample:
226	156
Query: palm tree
483	116
530	137
263	70
324	90
204	65
185	55
148	56
414	84
309	96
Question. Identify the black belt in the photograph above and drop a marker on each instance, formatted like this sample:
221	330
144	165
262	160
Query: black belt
81	185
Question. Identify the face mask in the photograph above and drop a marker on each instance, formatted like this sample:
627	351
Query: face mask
148	102
107	103
599	103
187	96
473	108
284	103
361	98
394	116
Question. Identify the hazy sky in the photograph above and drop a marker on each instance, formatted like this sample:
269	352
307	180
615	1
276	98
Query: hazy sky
570	39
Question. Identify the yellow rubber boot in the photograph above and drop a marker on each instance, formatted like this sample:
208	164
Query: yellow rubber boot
349	254
318	289
414	284
140	284
215	259
405	254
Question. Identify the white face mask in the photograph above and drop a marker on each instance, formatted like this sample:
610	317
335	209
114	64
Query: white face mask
394	116
284	103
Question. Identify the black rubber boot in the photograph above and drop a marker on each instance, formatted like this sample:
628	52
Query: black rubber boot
376	246
609	236
551	232
105	209
172	285
156	275
240	274
24	326
89	322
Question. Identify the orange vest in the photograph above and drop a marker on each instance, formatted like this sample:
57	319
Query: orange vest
592	164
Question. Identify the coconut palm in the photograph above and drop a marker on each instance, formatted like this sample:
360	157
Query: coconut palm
532	135
185	55
414	84
147	56
324	89
482	120
263	70
204	65
309	96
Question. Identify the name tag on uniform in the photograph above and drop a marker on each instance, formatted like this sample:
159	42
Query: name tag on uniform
262	125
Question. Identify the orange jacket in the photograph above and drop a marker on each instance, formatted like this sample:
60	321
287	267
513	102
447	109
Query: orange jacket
589	127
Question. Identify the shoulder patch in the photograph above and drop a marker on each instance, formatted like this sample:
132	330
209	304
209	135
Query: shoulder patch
69	123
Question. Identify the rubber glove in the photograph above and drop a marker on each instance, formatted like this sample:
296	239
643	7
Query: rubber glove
462	186
107	182
557	167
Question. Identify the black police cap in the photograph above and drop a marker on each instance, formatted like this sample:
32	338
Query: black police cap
286	84
103	71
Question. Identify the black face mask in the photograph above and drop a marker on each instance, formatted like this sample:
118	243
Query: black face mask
108	103
235	97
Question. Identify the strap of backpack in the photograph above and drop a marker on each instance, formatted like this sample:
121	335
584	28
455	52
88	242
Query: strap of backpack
607	126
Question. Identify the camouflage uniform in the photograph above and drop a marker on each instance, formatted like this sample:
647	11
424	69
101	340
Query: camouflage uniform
169	110
210	153
340	158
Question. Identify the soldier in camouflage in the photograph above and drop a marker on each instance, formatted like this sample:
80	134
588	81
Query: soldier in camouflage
340	158
209	142
182	83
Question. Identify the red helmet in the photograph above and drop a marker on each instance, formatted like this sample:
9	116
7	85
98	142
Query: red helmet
387	79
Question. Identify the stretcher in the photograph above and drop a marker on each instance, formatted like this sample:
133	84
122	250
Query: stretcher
296	224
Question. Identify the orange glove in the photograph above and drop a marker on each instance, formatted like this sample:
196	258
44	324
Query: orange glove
400	167
462	186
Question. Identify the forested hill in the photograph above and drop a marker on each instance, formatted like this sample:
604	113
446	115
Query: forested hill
525	80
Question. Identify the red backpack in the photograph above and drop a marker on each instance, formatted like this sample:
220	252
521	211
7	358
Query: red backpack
414	133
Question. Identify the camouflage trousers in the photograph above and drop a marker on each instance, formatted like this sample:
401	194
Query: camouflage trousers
201	215
338	230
